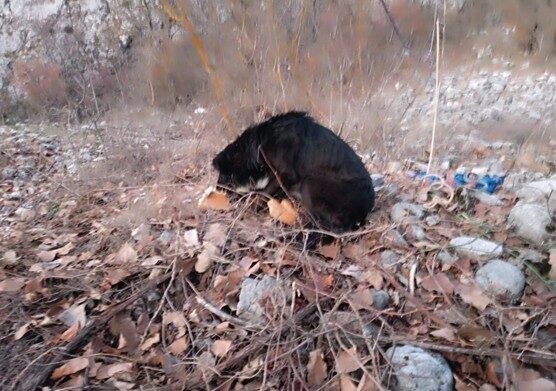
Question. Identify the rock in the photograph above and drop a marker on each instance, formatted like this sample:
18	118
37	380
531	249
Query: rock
432	220
380	299
446	258
395	238
25	214
378	180
537	191
530	221
14	196
416	233
406	212
516	180
9	258
487	199
167	236
9	173
502	280
417	369
252	291
476	248
389	259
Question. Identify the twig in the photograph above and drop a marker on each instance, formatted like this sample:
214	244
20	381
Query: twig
394	25
255	346
436	94
33	382
221	314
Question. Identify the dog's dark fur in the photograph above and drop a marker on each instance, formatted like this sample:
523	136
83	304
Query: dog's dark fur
311	163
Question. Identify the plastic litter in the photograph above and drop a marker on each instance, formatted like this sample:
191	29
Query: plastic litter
487	183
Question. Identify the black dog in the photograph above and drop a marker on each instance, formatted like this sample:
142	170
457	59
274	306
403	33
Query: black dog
294	153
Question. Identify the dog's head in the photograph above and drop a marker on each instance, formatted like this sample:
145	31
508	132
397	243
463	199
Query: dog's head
239	165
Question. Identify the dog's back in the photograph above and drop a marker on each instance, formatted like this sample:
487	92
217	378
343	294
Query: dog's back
311	160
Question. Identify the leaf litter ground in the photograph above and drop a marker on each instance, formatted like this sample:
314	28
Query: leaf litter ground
121	287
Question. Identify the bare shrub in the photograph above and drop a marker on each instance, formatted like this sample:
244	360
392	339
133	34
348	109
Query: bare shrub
40	84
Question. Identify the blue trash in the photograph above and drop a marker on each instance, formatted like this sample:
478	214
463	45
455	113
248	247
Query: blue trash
486	183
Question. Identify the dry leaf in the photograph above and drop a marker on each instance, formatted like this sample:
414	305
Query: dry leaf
221	347
475	334
22	331
72	315
12	285
72	366
536	385
316	368
178	346
65	250
552	262
528	379
115	276
472	294
191	238
347	361
204	259
361	299
447	333
282	211
149	342
330	250
438	283
173	317
126	254
9	258
47	256
70	333
346	384
109	371
216	234
212	199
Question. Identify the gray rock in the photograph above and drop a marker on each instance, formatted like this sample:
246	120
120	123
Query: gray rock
476	248
446	258
530	221
417	369
380	299
167	236
487	199
9	173
252	291
416	232
432	220
378	180
389	259
537	191
395	238
14	195
406	212
501	279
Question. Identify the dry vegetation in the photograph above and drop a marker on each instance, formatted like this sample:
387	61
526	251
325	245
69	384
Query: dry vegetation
116	279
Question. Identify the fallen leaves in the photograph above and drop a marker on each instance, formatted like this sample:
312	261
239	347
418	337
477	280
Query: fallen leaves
70	367
221	347
316	368
438	283
472	294
126	254
552	262
347	361
12	285
282	211
213	199
112	370
206	257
